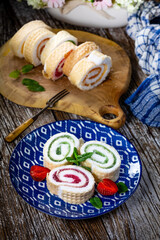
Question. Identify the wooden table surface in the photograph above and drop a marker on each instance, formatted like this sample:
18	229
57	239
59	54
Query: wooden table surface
138	218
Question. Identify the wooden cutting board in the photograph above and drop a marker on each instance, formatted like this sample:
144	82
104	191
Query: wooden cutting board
94	104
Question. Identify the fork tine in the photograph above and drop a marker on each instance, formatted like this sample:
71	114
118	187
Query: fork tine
55	96
58	98
60	94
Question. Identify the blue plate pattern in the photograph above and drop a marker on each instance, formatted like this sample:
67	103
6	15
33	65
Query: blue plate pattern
29	151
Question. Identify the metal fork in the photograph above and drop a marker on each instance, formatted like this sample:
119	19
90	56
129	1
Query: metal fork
50	103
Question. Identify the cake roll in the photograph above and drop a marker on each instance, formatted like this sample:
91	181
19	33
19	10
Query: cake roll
71	183
105	161
57	148
35	44
53	68
59	38
18	40
90	71
79	53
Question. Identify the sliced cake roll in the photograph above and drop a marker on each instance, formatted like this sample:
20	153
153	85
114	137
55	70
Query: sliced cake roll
57	148
90	71
71	183
18	40
35	44
53	68
105	161
58	39
79	53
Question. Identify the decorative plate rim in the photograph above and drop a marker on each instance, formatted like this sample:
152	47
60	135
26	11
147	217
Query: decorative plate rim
81	217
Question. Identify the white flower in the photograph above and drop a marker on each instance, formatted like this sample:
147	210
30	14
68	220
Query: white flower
130	5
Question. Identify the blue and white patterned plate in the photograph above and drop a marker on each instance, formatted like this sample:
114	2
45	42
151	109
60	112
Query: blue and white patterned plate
29	152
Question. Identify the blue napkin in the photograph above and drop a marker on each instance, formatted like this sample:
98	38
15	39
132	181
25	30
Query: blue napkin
144	27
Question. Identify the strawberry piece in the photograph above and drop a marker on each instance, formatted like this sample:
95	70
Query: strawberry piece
38	173
107	187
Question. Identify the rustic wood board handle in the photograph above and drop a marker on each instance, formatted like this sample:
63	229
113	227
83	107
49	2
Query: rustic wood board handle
116	115
93	104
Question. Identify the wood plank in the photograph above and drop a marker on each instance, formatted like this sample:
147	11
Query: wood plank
138	218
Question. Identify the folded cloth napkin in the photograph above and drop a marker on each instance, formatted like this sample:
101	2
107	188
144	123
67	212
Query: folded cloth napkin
145	101
142	18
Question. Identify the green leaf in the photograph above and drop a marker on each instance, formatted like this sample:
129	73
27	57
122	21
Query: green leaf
32	85
15	74
69	159
28	82
77	159
72	161
122	188
96	202
71	42
27	68
75	153
84	156
36	88
87	168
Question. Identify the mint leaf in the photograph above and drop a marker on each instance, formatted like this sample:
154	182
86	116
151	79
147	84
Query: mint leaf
87	168
96	202
75	153
77	159
84	156
122	188
71	160
28	81
27	68
15	74
36	88
71	42
32	85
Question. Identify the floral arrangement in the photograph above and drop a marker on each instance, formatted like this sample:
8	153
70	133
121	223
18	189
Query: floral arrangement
130	5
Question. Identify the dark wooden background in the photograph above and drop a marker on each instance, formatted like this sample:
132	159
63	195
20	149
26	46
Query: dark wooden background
139	217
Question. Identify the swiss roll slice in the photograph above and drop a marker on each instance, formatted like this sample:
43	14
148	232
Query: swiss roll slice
53	67
18	40
79	53
57	148
71	183
90	71
58	39
35	44
105	161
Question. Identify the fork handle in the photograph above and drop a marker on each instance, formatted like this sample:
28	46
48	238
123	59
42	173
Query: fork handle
19	130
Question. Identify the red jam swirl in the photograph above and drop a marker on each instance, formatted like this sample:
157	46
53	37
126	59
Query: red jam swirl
58	73
75	178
